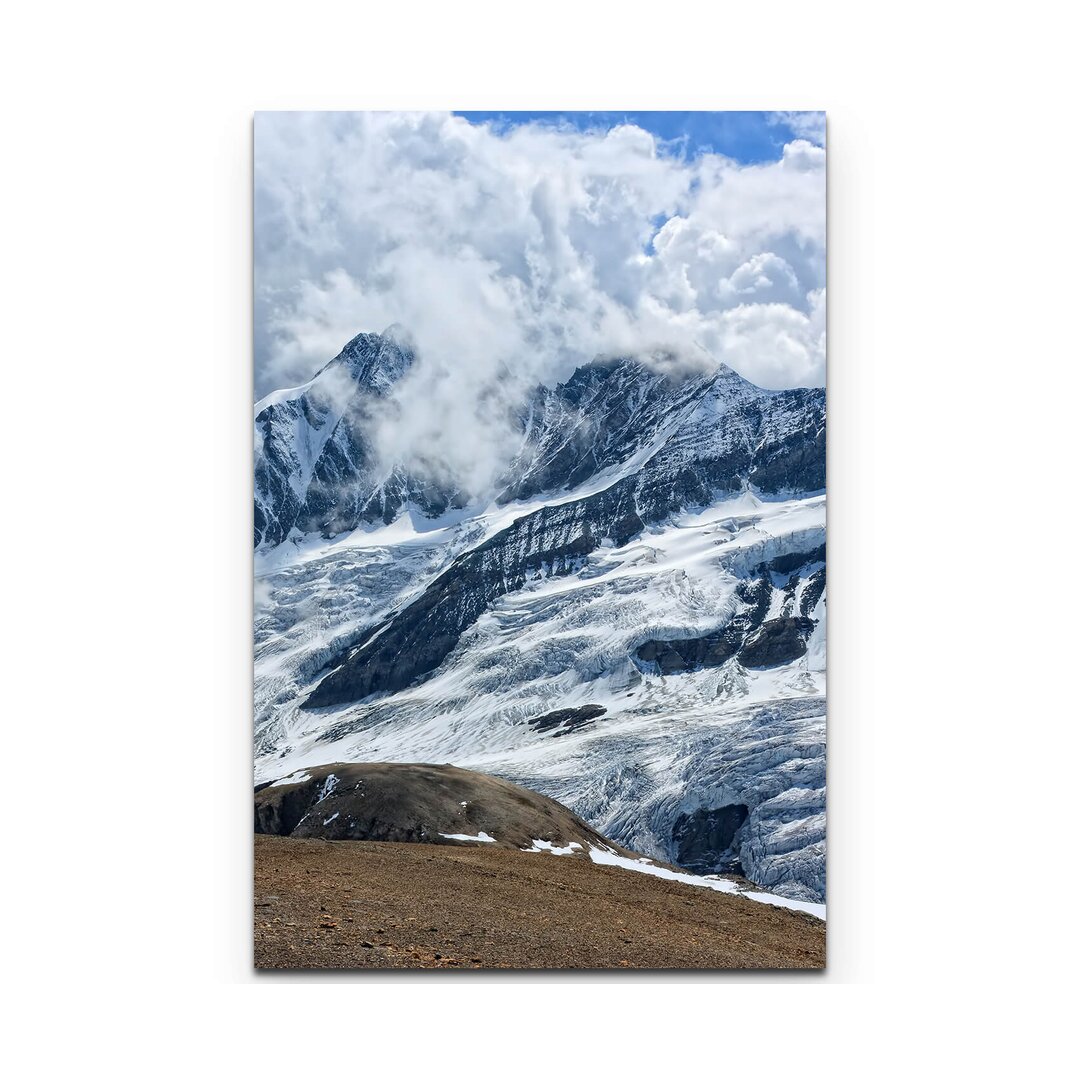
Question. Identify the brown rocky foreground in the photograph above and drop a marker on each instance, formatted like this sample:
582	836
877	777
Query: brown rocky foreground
364	904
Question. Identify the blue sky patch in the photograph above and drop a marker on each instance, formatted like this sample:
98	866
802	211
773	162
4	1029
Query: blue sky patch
748	137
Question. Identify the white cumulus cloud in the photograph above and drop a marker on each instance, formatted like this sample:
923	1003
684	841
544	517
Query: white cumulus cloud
513	256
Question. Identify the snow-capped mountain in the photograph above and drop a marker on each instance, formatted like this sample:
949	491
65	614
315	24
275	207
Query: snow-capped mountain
631	621
315	467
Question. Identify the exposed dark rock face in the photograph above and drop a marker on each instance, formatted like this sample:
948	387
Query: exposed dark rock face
564	721
685	654
428	804
795	560
712	650
704	838
815	586
279	811
794	458
757	596
778	641
603	415
421	636
738	435
757	642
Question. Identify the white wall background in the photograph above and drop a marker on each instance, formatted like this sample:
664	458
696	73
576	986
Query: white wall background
952	368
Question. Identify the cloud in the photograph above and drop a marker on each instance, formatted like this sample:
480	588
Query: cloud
803	156
513	256
803	125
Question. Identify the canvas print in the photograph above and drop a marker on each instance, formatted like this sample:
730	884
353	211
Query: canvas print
539	540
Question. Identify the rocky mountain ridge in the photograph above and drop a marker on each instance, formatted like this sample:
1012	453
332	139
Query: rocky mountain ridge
317	471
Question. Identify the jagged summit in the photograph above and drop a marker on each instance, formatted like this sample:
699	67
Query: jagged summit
375	361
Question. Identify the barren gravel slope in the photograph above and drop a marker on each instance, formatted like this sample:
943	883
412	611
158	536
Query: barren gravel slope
360	904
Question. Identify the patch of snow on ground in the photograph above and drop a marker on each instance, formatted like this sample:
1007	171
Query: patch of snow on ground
481	838
297	777
547	845
644	866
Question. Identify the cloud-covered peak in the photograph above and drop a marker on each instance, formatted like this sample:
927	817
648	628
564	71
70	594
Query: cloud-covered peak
514	255
398	335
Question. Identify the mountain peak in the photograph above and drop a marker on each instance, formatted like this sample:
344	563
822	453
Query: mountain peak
397	335
375	361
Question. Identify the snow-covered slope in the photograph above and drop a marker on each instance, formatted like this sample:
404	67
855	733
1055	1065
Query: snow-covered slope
654	550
